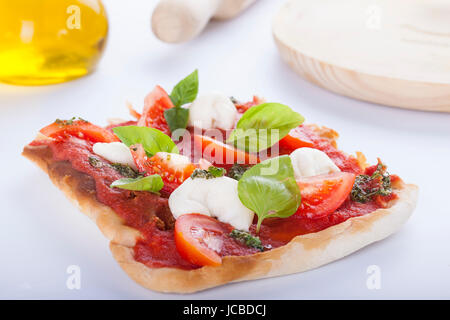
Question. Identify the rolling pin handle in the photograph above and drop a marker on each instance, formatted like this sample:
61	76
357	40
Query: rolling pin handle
176	21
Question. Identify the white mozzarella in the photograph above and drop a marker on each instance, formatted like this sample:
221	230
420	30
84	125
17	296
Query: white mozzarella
213	110
309	162
216	197
115	152
174	160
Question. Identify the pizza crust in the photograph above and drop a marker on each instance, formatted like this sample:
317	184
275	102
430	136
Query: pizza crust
69	181
302	253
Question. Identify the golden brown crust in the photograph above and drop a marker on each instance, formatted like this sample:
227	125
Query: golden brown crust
300	254
71	183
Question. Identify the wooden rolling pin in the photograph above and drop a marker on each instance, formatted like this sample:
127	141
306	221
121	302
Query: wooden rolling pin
178	21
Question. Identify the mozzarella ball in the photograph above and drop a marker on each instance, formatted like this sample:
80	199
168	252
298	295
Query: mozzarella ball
213	110
216	197
115	152
309	162
174	160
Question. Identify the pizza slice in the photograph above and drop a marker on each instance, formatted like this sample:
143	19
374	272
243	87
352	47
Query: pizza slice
199	191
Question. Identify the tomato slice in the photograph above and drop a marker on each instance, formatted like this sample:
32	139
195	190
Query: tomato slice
295	139
323	194
172	177
61	130
155	104
243	107
220	153
198	238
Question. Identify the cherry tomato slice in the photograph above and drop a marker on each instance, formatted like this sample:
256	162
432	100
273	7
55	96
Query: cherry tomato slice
155	104
172	177
61	130
323	194
220	153
198	238
295	139
321	197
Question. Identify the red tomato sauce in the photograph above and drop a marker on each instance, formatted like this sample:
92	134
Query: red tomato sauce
278	232
157	247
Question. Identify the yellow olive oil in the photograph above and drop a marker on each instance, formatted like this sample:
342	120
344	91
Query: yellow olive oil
50	41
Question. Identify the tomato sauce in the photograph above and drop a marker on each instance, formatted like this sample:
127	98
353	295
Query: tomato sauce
278	232
157	246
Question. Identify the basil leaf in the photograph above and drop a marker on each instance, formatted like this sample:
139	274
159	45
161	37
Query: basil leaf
152	140
177	118
270	190
186	90
151	183
264	125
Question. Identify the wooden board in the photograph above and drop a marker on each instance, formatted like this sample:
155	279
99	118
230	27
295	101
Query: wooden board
392	52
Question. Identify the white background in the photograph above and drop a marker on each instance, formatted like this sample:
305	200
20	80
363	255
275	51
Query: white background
42	234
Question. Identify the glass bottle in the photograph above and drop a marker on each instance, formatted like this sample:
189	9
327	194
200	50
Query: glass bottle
50	41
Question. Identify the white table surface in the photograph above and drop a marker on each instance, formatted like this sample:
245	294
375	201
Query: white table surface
42	233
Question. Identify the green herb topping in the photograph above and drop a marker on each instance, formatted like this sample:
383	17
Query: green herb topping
125	170
366	187
184	92
151	183
211	173
247	239
270	190
70	121
152	140
264	125
177	118
237	170
95	162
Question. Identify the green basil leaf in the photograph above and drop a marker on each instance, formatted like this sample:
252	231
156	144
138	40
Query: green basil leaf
186	90
264	125
177	118
270	190
151	183
152	140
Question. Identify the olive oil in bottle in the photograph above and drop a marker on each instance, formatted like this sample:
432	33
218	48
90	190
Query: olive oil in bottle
50	41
